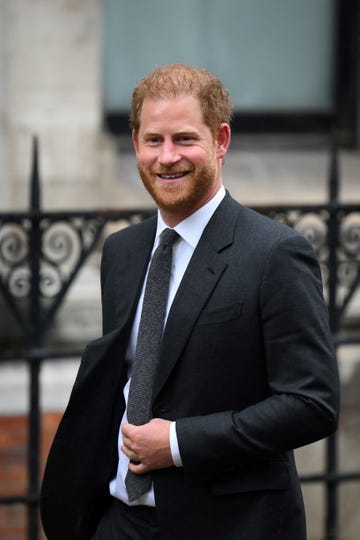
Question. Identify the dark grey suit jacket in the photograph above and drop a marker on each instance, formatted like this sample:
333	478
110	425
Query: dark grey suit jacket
247	370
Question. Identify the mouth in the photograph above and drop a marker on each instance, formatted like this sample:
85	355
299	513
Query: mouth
175	176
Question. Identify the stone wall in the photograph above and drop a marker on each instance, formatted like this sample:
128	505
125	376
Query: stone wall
4	198
52	89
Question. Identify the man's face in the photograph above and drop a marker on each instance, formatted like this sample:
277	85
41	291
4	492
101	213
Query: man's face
179	160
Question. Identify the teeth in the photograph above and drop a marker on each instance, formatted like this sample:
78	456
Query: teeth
172	176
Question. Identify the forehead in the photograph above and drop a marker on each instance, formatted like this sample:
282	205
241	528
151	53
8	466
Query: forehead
175	112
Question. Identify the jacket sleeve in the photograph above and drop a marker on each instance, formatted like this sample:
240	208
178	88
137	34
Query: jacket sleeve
303	401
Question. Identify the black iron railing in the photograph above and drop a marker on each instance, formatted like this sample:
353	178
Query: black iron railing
41	254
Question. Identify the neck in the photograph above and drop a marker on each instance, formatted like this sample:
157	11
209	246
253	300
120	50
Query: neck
173	216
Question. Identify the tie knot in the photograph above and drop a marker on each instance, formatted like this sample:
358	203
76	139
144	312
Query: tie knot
168	237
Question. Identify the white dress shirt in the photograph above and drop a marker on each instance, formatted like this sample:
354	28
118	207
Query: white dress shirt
190	231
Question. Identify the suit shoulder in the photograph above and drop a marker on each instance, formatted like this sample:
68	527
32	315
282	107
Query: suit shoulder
261	234
252	221
131	234
263	227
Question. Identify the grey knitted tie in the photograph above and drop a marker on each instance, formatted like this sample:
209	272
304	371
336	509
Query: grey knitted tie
148	348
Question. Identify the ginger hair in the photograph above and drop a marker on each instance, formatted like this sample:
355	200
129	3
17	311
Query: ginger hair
178	80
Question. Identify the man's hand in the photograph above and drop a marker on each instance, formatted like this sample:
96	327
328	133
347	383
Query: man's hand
148	446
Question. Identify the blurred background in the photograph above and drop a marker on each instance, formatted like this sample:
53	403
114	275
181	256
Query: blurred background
67	70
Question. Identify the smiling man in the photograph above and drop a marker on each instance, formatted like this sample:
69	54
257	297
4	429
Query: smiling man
179	158
216	360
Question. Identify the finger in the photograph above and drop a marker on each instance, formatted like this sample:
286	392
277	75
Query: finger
127	442
125	426
126	429
129	453
138	468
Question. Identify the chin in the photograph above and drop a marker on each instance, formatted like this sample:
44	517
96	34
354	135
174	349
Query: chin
172	197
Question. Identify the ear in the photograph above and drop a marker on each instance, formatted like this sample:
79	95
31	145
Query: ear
223	139
134	136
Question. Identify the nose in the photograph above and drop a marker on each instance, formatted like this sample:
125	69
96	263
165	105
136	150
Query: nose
169	153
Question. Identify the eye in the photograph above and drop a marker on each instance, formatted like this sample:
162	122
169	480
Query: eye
153	140
185	138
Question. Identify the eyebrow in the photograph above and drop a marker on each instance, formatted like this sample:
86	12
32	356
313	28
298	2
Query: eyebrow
189	132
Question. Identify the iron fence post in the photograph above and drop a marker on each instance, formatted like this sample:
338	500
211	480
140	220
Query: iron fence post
331	525
34	362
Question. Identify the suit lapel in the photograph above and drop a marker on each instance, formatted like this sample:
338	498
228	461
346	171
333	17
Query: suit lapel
203	273
131	271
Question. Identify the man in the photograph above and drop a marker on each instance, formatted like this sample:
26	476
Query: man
245	372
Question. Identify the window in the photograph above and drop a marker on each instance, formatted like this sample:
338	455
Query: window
283	62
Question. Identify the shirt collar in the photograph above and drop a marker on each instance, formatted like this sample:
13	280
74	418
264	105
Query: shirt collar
191	228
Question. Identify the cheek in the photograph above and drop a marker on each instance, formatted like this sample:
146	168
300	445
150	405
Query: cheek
197	156
146	158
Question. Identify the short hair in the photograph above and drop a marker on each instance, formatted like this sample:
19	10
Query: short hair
177	80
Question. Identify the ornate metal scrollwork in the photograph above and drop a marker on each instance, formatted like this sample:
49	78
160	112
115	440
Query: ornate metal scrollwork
50	282
65	241
14	250
314	226
348	254
60	242
13	244
350	235
20	282
61	248
62	245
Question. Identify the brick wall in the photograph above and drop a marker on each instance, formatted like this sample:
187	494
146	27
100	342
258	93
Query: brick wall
13	460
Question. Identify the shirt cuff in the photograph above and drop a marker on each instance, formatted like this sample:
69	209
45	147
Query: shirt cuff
174	446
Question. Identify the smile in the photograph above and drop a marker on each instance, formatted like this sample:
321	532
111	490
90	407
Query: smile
173	176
